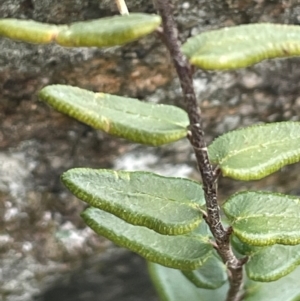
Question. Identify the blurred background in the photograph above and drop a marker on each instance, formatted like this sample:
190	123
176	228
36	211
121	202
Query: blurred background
46	251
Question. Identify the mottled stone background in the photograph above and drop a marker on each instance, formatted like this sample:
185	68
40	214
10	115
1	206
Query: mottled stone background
46	252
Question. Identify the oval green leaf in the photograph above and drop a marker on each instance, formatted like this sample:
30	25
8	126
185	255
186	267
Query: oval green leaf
110	31
270	263
167	205
242	46
211	275
172	285
263	219
257	151
124	117
180	252
28	31
286	288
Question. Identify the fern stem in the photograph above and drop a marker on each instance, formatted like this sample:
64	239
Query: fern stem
197	139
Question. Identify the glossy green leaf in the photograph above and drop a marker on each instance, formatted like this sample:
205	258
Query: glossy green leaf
172	285
105	32
257	151
124	117
108	31
285	289
242	46
167	205
263	218
268	263
28	31
181	252
211	275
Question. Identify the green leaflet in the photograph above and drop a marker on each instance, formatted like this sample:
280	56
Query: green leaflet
109	31
124	117
263	219
268	263
211	275
105	32
171	285
242	46
28	31
166	205
257	151
284	289
180	252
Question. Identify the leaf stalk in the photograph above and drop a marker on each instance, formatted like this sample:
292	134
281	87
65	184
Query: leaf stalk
122	7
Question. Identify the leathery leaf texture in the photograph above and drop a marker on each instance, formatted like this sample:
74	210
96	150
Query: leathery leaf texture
109	31
171	285
242	46
262	219
129	118
105	32
269	263
28	31
167	205
257	151
286	288
188	251
211	275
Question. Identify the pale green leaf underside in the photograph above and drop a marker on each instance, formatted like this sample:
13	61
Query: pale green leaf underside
211	275
166	205
171	285
264	219
268	263
180	252
129	118
242	46
105	32
257	151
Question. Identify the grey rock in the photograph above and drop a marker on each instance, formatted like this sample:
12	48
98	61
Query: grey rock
43	242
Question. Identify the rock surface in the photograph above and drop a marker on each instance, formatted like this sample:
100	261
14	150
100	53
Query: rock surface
45	249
